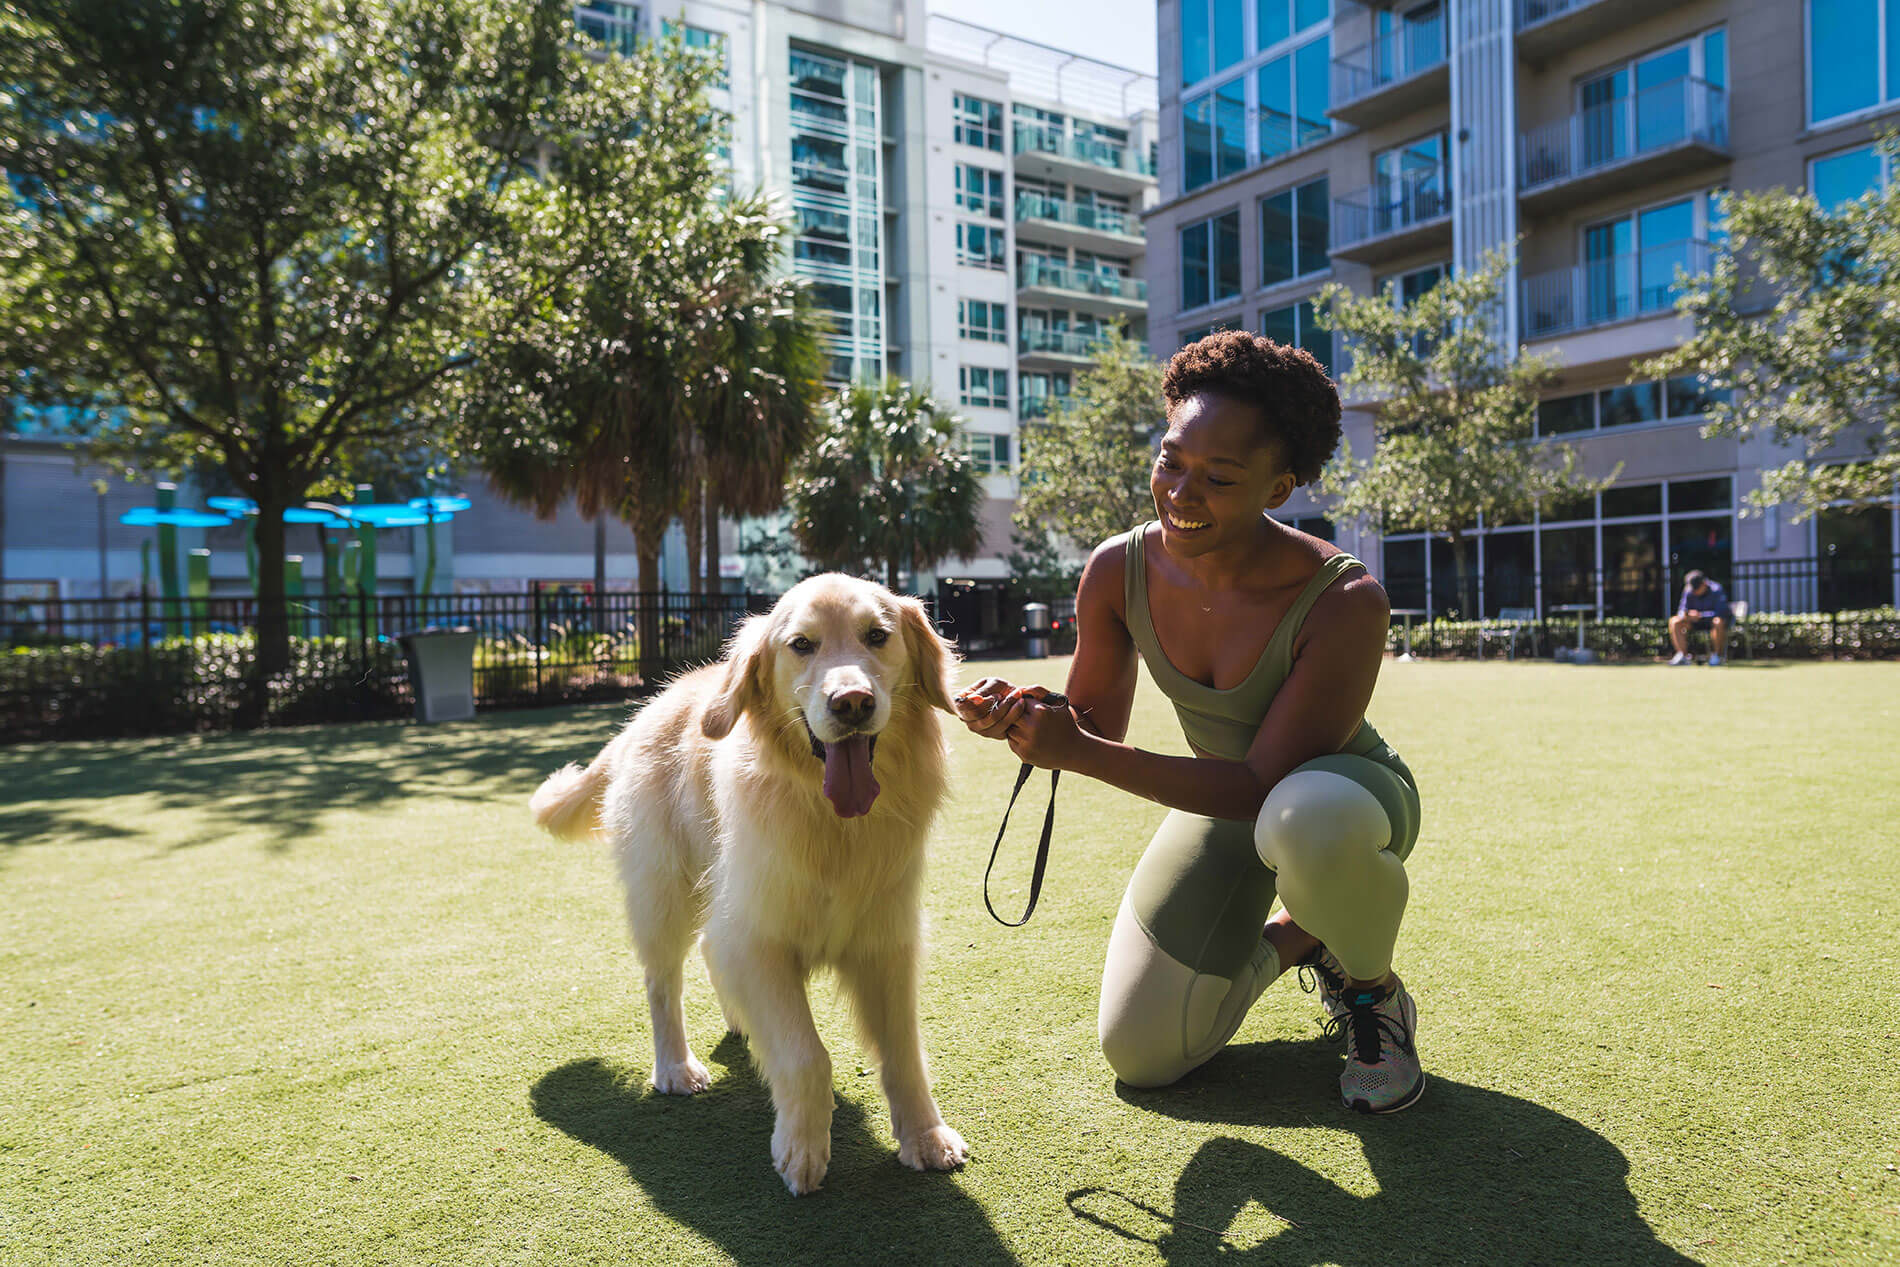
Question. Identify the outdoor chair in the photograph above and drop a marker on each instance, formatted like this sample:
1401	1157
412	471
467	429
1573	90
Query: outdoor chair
1521	622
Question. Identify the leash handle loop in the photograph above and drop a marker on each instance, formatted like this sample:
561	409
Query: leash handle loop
1042	847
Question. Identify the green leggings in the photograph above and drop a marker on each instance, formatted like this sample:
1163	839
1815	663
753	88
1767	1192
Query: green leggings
1187	959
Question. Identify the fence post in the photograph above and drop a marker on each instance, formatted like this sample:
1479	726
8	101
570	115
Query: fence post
540	642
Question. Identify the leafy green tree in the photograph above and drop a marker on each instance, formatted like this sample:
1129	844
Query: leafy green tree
1452	416
1797	321
886	481
250	221
1084	468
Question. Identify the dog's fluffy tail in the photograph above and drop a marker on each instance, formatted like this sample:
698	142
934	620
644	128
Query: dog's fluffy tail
567	804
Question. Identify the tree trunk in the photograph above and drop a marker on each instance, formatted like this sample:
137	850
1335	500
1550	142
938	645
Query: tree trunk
690	518
710	511
649	600
600	573
1467	600
273	619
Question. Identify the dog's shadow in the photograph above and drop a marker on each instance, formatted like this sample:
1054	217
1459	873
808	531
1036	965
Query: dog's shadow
1468	1175
706	1162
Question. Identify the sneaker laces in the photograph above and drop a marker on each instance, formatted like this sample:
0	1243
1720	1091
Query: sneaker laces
1316	976
1365	1027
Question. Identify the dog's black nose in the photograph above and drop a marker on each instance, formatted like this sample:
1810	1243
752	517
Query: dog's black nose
853	708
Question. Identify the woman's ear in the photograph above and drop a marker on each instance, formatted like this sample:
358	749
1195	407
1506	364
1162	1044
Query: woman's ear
743	686
931	657
1282	489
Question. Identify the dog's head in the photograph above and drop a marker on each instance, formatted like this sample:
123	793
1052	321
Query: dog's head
826	670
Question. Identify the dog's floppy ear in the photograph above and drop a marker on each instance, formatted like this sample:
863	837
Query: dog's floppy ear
743	686
930	656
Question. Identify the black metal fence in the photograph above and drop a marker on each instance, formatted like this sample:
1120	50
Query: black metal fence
91	668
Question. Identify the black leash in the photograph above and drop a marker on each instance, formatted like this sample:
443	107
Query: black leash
1048	829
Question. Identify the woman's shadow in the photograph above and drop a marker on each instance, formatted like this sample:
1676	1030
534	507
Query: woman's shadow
1465	1176
706	1162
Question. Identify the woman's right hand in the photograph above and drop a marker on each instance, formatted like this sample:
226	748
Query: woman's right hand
984	709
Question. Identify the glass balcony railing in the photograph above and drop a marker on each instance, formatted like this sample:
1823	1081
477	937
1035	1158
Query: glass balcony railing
614	26
1421	196
1080	281
1037	138
1409	49
1077	215
1064	342
1615	288
1662	117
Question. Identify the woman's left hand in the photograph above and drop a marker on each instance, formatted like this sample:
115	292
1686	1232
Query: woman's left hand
1045	735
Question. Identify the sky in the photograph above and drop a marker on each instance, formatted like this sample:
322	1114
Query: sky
1118	31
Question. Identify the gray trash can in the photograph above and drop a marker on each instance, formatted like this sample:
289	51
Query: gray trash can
1036	630
442	670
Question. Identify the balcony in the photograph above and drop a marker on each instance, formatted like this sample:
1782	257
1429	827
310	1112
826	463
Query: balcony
1548	27
1040	282
613	25
1060	347
1403	70
1090	227
1050	153
1382	223
1606	291
1666	130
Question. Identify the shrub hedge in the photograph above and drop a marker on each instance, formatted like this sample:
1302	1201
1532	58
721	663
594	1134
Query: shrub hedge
1871	634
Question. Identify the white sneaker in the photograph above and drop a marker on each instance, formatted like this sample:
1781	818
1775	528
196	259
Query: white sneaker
1715	662
1683	657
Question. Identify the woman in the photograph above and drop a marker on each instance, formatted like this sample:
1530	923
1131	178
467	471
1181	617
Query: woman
1268	641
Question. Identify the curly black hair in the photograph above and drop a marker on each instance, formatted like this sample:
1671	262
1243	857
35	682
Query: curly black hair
1298	404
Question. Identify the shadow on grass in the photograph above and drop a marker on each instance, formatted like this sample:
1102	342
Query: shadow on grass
1467	1175
706	1163
279	781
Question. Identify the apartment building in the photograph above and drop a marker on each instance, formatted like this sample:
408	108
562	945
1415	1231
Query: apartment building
967	210
1382	145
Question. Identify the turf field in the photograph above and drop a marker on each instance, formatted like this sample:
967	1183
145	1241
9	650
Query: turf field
322	996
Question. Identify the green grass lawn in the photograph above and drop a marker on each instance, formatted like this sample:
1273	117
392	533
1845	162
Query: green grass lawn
323	996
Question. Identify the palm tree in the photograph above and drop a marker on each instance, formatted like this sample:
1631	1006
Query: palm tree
887	481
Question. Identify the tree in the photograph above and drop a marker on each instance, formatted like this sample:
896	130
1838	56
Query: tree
1797	321
1452	416
888	481
251	219
1084	468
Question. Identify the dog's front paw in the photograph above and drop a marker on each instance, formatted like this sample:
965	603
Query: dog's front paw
685	1077
938	1148
801	1160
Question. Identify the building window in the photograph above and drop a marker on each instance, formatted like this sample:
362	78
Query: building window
711	44
610	23
1653	101
1669	400
1293	232
989	453
1297	325
1839	179
979	123
1211	37
1851	64
1210	260
981	387
1214	134
1201	332
1630	263
980	245
982	321
1277	20
1038	391
1295	91
980	189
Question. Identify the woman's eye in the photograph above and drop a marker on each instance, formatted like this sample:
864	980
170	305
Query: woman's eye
1219	483
804	645
878	637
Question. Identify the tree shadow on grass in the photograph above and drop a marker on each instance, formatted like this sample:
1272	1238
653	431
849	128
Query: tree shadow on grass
706	1163
1467	1175
280	781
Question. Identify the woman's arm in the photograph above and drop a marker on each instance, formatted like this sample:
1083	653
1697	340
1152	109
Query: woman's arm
1335	665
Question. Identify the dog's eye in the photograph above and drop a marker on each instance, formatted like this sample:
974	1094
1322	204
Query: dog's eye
803	645
878	636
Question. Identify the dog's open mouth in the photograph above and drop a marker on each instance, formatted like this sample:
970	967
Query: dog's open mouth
849	784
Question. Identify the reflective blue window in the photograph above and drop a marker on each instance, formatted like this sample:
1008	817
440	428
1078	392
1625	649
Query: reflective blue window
1843	57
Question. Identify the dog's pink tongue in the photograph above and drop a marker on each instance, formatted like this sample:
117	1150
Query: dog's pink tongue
848	782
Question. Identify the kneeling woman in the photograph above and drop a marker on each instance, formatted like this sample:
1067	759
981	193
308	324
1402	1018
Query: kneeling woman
1268	641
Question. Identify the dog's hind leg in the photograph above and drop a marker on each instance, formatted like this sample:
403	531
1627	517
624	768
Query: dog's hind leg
883	988
662	915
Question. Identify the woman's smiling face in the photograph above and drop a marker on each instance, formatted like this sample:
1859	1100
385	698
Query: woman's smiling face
1213	478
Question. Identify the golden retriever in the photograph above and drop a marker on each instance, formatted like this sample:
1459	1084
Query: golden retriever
779	801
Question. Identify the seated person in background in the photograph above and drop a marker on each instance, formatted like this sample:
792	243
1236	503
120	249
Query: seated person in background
1704	605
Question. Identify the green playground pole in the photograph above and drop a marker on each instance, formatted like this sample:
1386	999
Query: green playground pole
428	570
293	587
168	587
198	587
250	550
366	577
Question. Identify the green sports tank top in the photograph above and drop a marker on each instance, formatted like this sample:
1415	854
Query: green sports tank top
1224	723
